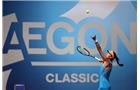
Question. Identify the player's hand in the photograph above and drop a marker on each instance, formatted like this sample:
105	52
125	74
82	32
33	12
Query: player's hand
93	37
101	60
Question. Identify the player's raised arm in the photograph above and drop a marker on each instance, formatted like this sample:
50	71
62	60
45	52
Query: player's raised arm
98	47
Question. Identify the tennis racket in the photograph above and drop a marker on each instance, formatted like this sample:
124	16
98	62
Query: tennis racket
85	52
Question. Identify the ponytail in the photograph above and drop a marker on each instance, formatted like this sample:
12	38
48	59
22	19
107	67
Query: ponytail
117	60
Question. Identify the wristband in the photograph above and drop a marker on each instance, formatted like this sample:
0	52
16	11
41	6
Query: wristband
96	40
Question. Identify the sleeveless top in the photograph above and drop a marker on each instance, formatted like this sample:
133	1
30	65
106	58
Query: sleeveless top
104	78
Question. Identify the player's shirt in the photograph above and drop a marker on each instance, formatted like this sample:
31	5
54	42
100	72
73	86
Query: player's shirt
104	83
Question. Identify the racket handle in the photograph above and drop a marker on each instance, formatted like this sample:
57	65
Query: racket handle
97	58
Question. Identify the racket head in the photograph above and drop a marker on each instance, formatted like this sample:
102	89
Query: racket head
83	51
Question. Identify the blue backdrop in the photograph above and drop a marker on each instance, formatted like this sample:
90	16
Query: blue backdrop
40	72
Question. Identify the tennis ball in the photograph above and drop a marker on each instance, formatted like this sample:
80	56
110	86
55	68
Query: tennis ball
87	11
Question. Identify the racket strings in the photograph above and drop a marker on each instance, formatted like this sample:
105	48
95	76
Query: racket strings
83	51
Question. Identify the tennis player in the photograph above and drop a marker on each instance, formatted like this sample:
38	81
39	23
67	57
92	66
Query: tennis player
106	66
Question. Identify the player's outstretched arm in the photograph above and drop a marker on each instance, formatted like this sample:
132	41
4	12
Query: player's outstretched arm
98	47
